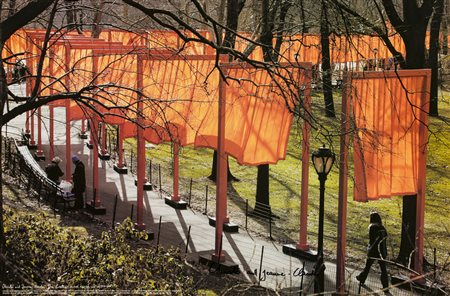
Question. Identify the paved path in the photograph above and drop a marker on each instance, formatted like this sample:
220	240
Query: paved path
242	248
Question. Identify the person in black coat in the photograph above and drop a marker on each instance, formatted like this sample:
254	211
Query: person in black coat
79	182
376	250
53	170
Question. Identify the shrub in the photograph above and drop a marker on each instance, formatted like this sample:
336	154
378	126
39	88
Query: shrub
40	252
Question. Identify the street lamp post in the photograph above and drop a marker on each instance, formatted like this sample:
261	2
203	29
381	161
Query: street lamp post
323	160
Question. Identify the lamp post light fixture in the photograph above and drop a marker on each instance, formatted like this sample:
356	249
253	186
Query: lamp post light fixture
323	160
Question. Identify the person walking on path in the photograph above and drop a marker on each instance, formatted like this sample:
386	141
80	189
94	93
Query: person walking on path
79	182
376	251
53	170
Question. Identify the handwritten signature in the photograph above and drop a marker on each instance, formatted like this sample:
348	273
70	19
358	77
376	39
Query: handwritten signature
298	272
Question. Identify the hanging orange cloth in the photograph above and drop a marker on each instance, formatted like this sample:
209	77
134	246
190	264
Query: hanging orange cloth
116	76
390	111
257	119
178	91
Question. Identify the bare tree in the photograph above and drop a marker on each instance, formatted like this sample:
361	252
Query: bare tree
98	13
71	14
445	16
8	27
410	20
326	61
435	26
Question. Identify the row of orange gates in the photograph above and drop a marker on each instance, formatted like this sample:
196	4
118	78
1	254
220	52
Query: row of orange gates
158	95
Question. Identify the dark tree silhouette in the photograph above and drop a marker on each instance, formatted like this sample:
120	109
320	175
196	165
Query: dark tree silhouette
8	27
326	61
412	26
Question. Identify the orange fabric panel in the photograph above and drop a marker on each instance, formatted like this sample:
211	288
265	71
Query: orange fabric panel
129	129
46	80
80	66
16	44
307	46
195	48
151	134
63	77
79	75
387	113
116	75
175	88
58	72
124	37
76	111
163	40
181	106
257	120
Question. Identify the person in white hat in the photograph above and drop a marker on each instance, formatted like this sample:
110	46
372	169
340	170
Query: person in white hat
53	170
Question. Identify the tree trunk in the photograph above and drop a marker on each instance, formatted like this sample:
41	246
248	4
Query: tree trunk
433	56
220	18
280	28
70	15
408	231
213	175
96	27
415	59
416	21
234	9
445	29
326	63
262	205
3	99
266	32
305	27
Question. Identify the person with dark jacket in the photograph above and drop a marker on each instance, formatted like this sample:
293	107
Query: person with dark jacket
376	250
53	170
79	182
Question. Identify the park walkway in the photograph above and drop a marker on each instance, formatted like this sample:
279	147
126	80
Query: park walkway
242	248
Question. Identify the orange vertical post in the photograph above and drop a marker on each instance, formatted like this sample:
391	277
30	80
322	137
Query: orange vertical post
342	198
95	205
67	105
120	147
29	87
176	148
27	123
421	184
303	235
96	197
103	131
221	188
140	154
51	131
39	151
28	93
68	142
83	127
90	145
51	112
32	141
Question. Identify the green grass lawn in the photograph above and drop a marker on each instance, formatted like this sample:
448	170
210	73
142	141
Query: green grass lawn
285	178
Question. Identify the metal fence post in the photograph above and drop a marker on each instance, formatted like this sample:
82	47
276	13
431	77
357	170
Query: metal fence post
190	192
206	201
114	213
246	213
